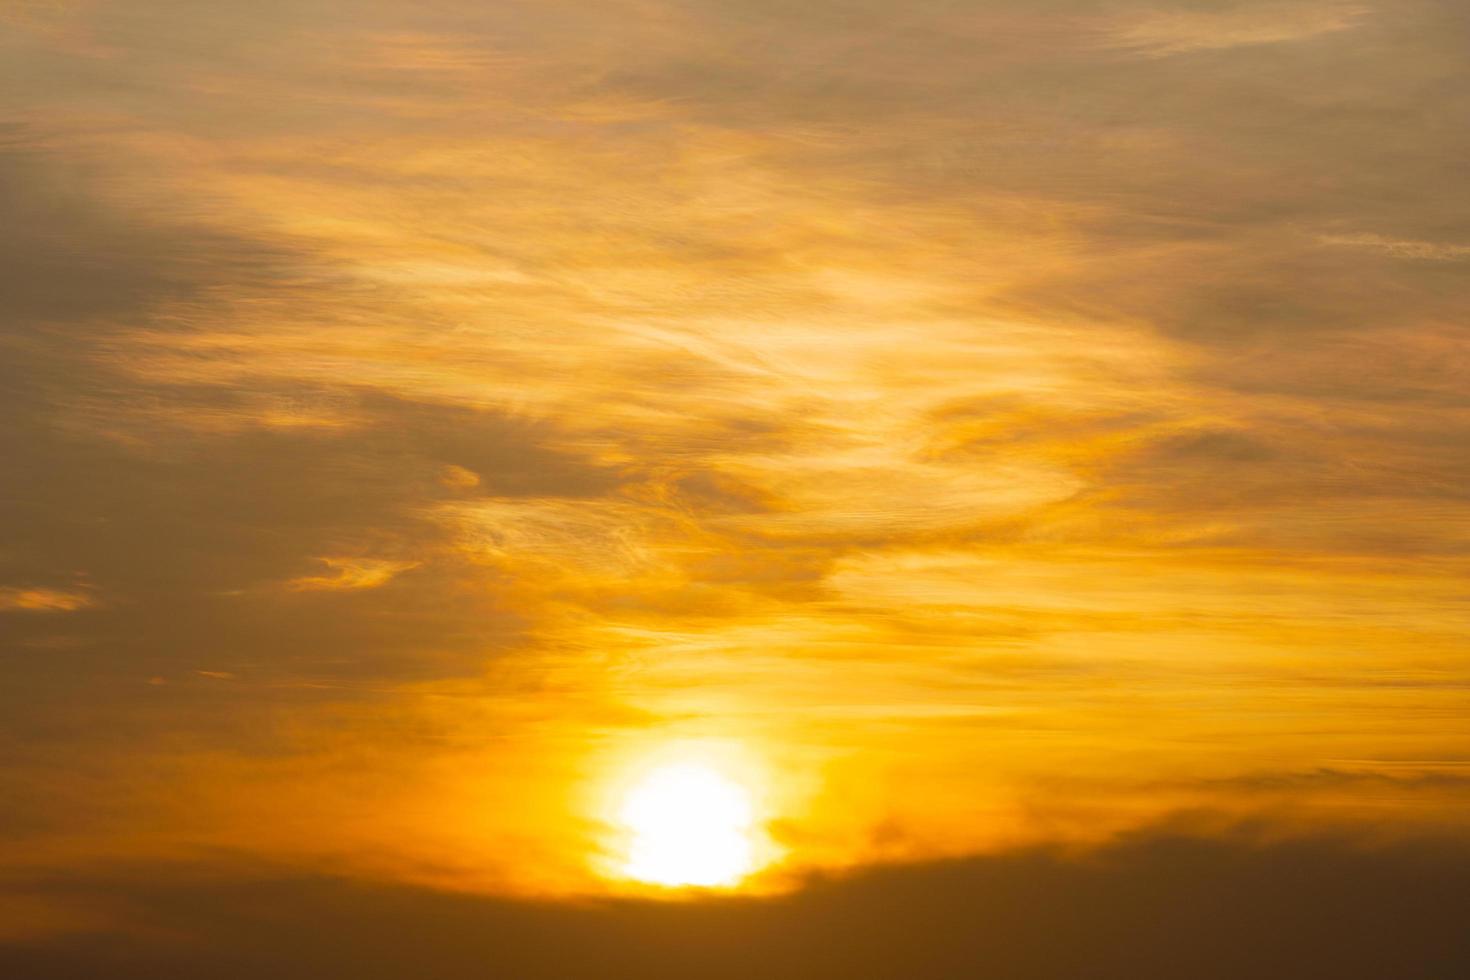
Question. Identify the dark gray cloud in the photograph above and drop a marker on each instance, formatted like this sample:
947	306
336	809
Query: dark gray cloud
1155	906
180	539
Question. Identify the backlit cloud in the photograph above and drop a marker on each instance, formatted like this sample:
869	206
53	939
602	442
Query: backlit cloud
1017	423
1168	32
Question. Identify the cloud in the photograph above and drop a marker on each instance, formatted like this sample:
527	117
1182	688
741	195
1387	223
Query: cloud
1160	904
915	384
351	573
1397	248
1172	32
43	600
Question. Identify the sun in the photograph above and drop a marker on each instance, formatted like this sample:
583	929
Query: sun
688	824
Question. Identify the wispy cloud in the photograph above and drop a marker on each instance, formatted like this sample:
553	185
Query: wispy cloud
1400	248
1160	33
351	573
43	600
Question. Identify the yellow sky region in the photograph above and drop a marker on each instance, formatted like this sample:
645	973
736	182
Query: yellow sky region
972	462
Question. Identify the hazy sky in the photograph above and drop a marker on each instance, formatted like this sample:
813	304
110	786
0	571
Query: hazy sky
995	423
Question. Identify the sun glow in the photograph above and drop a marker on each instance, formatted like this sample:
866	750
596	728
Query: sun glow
689	824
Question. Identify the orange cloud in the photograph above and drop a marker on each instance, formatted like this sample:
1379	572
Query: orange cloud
351	574
43	600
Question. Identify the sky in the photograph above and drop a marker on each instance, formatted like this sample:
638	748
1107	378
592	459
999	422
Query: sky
1019	445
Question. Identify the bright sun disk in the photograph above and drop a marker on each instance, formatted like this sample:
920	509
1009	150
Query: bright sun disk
688	824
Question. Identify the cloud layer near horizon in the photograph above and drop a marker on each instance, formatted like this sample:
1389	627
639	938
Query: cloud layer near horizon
1165	905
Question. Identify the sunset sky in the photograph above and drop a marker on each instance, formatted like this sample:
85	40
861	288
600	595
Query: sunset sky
452	449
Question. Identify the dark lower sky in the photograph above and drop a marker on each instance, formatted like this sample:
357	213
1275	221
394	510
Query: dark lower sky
1164	905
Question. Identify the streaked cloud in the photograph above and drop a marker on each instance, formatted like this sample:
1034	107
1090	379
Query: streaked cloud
1172	31
1399	248
43	600
351	573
